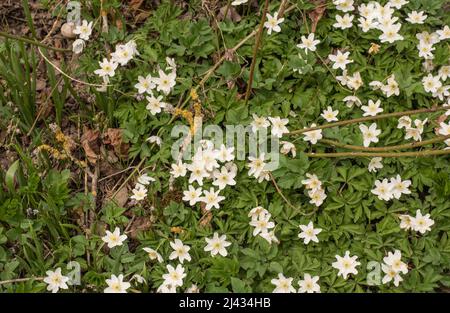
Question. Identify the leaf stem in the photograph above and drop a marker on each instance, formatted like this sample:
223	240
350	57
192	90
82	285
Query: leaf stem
33	42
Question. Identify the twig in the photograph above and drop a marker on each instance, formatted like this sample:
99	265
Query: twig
286	200
18	280
67	75
368	118
255	50
33	42
424	153
387	148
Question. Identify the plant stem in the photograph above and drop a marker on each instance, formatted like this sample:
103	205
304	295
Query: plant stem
368	118
424	153
255	50
387	148
31	41
18	280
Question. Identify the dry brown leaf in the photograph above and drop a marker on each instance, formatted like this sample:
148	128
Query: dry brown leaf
90	144
232	14
113	137
141	223
316	14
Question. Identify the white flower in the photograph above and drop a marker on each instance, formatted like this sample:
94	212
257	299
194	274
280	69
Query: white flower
208	158
192	195
370	134
421	223
78	46
372	109
444	33
178	170
308	43
144	179
406	222
155	139
175	276
256	165
431	83
84	30
225	154
329	115
317	196
155	104
194	288
309	233
352	100
224	178
180	251
55	280
383	189
444	72
262	224
270	237
375	164
238	2
153	254
391	274
309	284
278	126
376	85
166	287
355	81
217	245
114	239
283	284
444	129
273	22
425	51
414	133
171	65
416	17
343	22
312	182
116	284
145	84
211	198
165	82
314	135
122	55
198	172
288	147
340	59
399	187
426	38
390	33
344	5
139	192
257	213
404	122
394	260
107	68
367	24
346	264
397	3
259	123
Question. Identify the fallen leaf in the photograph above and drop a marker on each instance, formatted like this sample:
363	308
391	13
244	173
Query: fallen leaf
91	145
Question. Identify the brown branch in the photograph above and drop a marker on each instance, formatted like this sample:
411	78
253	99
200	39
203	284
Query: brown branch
387	148
368	118
424	153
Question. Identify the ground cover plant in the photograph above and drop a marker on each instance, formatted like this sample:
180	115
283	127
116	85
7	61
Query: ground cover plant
100	192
